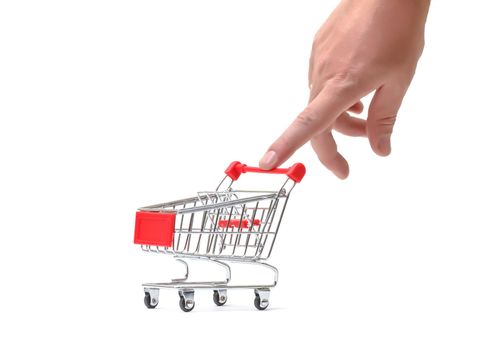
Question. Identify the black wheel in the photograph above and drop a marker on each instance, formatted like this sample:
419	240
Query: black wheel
219	301
183	306
148	301
257	303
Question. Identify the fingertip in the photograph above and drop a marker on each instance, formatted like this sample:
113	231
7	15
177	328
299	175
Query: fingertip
269	160
342	168
345	175
338	166
357	108
382	146
341	176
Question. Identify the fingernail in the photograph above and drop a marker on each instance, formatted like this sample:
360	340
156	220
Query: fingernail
384	145
268	161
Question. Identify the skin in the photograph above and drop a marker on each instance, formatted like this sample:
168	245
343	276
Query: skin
365	46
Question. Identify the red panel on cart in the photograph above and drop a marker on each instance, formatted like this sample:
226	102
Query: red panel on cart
155	229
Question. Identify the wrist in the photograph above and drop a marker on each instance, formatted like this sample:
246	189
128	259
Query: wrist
413	12
420	7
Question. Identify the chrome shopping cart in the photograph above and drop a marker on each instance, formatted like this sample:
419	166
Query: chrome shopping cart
222	226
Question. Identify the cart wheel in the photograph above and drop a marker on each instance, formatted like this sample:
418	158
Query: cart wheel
261	300
186	306
186	301
220	297
150	303
257	303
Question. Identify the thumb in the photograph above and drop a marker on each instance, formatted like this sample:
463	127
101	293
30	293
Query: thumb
382	114
320	113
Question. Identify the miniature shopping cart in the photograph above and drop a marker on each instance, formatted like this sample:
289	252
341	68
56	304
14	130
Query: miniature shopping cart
221	227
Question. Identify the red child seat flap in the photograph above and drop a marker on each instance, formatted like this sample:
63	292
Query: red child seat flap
156	229
234	223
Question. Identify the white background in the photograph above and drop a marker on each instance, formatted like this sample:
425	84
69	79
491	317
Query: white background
109	105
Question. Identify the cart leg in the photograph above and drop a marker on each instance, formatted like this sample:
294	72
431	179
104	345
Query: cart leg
265	265
186	301
201	258
220	296
186	276
151	297
262	299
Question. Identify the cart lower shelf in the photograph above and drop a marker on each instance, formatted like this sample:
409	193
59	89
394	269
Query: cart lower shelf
186	288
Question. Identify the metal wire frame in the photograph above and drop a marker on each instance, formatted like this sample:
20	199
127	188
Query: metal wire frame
226	224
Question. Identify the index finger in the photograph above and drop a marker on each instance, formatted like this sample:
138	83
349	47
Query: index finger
320	113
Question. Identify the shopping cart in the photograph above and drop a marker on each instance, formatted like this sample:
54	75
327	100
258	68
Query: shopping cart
221	227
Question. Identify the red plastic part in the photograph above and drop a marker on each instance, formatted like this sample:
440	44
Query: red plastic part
234	223
295	172
155	229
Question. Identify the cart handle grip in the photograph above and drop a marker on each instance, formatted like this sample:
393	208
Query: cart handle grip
295	172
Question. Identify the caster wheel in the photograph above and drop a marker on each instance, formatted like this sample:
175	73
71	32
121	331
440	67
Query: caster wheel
261	300
219	298
150	303
257	303
186	306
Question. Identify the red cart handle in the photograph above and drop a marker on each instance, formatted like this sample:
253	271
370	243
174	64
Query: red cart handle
295	172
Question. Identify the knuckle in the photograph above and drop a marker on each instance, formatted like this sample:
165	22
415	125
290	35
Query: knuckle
388	121
314	44
345	80
320	68
307	117
317	39
385	124
341	82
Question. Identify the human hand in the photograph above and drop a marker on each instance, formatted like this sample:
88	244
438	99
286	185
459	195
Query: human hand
364	46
